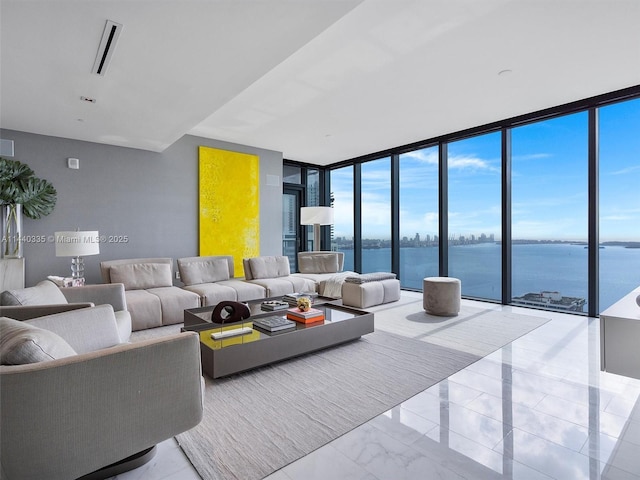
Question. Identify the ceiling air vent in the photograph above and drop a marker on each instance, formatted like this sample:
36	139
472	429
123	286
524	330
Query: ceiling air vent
107	46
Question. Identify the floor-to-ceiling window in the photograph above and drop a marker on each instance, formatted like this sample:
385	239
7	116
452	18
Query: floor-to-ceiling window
550	213
313	199
544	162
342	202
291	201
375	206
619	209
418	200
302	186
475	215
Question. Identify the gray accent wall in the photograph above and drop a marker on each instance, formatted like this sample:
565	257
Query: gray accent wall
145	204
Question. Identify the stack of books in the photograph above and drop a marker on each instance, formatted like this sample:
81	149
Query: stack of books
292	298
310	316
273	324
273	305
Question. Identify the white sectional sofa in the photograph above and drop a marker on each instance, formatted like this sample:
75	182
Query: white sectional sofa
212	278
320	267
274	274
152	299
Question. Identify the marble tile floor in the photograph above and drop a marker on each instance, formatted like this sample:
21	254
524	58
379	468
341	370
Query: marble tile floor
539	408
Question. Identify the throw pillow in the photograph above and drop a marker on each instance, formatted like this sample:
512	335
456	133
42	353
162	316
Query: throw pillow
21	343
205	271
324	263
269	267
44	293
140	276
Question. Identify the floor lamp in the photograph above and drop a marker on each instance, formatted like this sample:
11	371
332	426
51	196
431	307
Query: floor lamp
316	216
77	245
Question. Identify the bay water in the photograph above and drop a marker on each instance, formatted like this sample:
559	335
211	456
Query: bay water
561	267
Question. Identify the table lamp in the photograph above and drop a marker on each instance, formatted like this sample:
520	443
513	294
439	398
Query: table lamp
316	216
77	245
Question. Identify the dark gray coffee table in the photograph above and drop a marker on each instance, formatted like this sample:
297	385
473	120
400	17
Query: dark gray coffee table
243	352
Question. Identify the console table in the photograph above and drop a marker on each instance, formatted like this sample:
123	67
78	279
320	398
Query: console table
620	337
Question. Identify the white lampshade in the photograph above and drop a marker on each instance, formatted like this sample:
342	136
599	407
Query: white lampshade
77	244
316	216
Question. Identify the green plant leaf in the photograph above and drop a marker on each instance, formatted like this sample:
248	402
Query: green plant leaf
38	197
12	170
19	185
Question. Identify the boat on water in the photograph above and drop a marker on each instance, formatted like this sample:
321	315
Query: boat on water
551	301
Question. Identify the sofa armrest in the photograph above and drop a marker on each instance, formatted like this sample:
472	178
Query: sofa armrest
26	312
106	405
111	293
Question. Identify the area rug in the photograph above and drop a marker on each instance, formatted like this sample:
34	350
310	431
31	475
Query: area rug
257	422
474	330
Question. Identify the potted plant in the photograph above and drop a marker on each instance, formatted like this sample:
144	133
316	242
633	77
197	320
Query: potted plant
21	192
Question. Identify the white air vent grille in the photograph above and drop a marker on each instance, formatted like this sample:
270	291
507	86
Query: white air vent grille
107	46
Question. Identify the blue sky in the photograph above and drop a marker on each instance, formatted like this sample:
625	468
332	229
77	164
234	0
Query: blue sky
549	180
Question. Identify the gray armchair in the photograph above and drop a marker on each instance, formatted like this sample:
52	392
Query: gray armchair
88	401
47	298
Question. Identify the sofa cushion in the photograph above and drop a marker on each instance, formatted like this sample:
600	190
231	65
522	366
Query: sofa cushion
140	276
205	271
85	329
269	267
145	309
22	343
174	301
44	293
324	263
370	277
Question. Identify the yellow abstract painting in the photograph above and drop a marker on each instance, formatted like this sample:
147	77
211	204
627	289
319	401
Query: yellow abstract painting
229	189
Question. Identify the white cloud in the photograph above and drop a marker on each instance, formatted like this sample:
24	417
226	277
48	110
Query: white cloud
470	162
625	171
428	156
531	156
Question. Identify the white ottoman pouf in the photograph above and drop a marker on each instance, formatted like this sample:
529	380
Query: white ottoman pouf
441	295
370	289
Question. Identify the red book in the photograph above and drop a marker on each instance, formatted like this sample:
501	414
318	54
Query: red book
317	318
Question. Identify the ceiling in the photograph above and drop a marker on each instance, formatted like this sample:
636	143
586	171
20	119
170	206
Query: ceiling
319	80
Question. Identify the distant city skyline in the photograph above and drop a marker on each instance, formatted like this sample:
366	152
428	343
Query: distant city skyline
549	183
